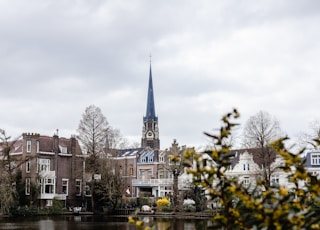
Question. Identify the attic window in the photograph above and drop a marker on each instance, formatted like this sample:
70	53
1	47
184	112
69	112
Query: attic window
246	167
161	159
63	150
315	159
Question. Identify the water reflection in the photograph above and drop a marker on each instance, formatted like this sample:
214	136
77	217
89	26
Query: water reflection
99	222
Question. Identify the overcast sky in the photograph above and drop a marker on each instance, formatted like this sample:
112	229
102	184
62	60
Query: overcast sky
58	57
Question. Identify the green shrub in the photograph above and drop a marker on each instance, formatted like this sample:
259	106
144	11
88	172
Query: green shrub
166	208
189	208
56	208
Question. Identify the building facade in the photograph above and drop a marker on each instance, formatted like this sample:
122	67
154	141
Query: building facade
51	165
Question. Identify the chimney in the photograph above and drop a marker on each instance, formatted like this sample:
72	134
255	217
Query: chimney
55	146
73	144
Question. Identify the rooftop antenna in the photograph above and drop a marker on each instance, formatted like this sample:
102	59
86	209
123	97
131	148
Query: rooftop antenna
150	56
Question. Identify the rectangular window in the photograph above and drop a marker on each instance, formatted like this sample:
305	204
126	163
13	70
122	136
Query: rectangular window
49	186
246	180
38	146
275	180
149	173
43	165
315	159
65	183
131	171
161	174
27	166
78	187
27	191
28	146
142	173
120	170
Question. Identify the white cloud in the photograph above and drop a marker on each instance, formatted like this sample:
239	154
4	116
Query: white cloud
58	57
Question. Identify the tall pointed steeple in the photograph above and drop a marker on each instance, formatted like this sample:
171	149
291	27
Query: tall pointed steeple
150	130
151	112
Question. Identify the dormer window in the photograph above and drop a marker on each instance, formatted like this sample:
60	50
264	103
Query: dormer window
315	158
63	150
147	158
161	159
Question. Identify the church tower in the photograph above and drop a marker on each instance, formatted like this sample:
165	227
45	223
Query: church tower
150	130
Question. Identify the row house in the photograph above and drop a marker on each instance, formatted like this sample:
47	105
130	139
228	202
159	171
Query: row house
53	166
249	165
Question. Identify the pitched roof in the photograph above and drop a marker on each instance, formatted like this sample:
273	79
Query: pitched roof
260	157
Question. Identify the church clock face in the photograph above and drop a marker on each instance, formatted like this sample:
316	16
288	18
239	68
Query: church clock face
149	135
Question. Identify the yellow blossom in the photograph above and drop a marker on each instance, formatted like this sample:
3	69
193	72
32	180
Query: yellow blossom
283	191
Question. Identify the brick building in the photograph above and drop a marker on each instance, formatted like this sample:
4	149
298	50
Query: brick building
53	166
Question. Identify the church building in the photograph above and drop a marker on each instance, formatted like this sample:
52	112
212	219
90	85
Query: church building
144	169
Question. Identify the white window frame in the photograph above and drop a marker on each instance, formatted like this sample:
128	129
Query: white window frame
38	146
28	146
43	165
65	183
49	182
28	164
28	186
246	180
315	158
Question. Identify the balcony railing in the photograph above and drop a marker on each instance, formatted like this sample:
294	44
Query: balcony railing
151	182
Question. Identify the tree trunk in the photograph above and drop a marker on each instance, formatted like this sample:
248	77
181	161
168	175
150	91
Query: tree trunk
175	192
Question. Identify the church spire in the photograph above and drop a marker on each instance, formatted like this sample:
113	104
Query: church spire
150	130
150	113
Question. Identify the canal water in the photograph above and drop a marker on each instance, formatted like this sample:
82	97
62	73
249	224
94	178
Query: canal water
98	222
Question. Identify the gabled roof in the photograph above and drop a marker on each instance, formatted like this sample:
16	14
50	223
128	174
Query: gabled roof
258	156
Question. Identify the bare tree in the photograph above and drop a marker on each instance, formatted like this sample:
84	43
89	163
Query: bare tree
115	140
95	135
308	139
93	129
259	131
